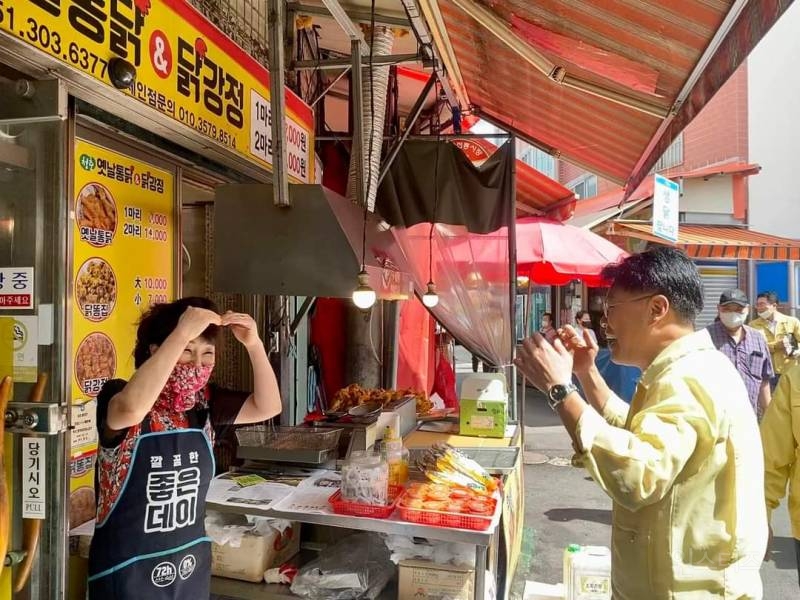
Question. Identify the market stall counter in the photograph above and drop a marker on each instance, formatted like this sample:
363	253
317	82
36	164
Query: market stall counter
309	496
309	504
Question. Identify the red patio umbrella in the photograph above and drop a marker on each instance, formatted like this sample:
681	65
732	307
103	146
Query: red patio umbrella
552	253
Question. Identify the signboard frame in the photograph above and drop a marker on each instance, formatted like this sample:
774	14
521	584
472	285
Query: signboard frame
666	207
80	471
23	54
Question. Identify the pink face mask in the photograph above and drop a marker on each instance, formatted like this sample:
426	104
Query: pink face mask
185	381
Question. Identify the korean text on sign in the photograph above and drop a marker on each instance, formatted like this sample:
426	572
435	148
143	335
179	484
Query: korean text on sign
33	478
16	287
173	488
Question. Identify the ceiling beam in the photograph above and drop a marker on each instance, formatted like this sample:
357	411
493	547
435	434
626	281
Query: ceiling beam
427	22
345	63
352	30
355	13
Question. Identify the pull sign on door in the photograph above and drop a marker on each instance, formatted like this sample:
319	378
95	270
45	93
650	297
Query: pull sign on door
33	478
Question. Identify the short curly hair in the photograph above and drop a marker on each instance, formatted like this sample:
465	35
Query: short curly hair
160	321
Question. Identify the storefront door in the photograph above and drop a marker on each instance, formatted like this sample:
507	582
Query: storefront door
33	258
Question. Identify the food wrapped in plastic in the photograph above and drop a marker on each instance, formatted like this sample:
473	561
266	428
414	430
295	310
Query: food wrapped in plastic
365	479
358	567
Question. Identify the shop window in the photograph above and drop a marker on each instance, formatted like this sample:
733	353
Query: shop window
538	159
585	187
672	157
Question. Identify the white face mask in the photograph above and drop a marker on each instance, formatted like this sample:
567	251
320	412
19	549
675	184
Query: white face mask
766	314
732	320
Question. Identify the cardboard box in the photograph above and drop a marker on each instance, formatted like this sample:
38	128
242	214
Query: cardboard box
423	579
484	405
255	555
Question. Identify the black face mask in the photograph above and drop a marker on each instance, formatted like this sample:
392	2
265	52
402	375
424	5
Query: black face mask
587	324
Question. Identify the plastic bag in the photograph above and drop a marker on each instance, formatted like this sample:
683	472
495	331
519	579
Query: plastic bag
230	529
444	383
357	567
441	553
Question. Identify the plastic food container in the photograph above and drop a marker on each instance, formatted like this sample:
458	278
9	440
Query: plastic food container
365	479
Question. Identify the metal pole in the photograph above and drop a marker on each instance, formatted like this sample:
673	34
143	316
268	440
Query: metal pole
277	102
793	300
356	97
391	320
330	87
409	124
343	63
512	273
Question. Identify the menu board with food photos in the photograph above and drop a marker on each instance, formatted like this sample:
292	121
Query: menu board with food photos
123	243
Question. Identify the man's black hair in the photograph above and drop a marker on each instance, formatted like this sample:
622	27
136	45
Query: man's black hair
580	313
771	296
661	270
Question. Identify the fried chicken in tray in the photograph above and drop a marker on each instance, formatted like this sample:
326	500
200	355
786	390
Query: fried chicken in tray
355	395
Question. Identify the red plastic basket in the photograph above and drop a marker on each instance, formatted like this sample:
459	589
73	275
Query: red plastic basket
447	519
358	509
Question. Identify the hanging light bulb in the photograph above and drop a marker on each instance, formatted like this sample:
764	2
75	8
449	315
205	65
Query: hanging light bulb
431	298
364	296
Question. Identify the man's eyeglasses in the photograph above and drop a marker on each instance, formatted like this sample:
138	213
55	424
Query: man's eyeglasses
607	306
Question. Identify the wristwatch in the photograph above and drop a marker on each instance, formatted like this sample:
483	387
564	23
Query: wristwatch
558	393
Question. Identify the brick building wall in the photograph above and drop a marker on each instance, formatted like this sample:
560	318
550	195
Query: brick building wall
719	133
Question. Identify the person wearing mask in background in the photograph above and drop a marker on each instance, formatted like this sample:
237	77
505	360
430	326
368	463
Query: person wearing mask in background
547	329
683	462
780	436
744	346
583	322
782	333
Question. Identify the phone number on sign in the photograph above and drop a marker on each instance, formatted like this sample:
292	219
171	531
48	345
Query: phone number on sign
206	127
50	40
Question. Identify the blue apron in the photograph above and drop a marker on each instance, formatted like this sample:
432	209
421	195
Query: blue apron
153	543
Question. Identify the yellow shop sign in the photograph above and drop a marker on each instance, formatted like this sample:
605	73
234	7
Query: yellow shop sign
186	69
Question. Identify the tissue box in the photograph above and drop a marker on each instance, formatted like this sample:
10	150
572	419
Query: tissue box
256	554
423	579
483	405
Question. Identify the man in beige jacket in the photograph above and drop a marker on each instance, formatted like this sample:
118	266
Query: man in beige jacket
682	464
782	333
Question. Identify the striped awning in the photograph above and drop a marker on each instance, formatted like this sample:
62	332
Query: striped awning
715	241
596	83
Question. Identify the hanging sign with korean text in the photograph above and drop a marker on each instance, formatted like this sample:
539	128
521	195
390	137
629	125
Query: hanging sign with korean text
33	479
666	196
16	288
186	69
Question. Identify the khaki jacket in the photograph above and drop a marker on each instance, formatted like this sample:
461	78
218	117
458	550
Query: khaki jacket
681	465
784	325
780	433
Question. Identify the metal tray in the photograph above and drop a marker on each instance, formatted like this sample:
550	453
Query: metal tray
303	445
497	461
